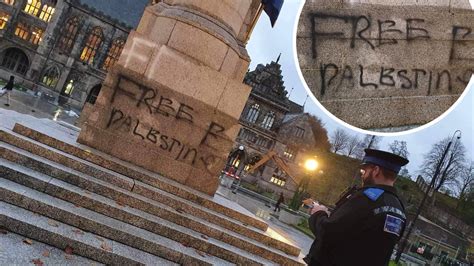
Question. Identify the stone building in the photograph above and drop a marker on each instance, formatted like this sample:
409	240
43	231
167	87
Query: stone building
63	48
271	123
438	245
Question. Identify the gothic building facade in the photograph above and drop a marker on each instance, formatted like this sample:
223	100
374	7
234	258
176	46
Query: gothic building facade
63	48
274	125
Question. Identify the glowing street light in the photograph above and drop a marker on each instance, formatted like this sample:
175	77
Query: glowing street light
311	165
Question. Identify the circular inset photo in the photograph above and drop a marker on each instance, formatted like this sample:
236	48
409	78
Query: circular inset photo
384	65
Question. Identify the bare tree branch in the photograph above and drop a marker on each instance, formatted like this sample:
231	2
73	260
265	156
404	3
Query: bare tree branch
339	140
451	166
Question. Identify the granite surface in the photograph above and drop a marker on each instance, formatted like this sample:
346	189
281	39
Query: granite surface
376	64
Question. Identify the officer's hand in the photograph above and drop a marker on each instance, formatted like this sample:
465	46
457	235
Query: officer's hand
318	207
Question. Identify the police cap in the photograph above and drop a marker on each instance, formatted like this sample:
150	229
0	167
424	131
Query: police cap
384	159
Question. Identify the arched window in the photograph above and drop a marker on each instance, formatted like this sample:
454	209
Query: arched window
46	13
94	40
68	88
114	53
51	77
9	2
43	11
33	7
253	113
69	32
93	94
267	122
16	60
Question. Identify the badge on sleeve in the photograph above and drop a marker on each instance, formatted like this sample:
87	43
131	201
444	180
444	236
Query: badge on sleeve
393	225
373	193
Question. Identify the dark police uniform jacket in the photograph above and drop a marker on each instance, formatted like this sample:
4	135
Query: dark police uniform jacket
362	230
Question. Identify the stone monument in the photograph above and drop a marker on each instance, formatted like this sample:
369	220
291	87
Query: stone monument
172	102
382	64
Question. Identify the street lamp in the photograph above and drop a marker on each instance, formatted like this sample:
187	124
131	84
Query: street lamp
428	189
310	166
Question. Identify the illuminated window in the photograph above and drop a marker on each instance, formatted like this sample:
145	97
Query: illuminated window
299	132
22	31
94	40
69	32
267	122
69	88
236	162
9	2
46	13
278	181
33	35
4	17
42	11
36	35
33	7
289	153
51	77
253	113
113	54
15	60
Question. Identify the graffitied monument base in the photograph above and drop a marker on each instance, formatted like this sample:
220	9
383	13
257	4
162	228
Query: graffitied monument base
172	102
378	64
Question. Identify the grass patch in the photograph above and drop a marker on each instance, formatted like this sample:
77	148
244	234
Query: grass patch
304	230
303	227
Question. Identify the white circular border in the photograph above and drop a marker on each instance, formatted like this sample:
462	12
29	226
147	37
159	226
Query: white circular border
363	131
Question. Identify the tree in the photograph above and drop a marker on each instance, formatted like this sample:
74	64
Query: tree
353	143
320	133
339	140
465	182
399	148
451	165
369	141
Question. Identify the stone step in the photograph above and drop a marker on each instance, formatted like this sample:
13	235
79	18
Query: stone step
22	175
216	247
15	249
99	158
60	235
60	171
104	226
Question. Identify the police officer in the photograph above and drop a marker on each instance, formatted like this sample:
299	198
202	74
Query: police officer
366	222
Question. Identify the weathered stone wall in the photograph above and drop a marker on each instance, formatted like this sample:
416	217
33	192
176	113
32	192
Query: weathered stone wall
172	102
375	64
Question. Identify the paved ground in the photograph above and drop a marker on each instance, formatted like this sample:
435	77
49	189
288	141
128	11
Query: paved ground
28	103
259	208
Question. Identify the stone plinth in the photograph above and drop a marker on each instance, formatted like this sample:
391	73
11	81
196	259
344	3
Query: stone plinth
377	65
172	102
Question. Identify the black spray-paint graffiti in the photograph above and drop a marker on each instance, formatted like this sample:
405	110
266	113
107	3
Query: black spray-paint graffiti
155	103
371	33
337	77
356	29
159	105
175	148
462	48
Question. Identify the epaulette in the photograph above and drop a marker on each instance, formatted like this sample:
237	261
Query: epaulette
373	193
